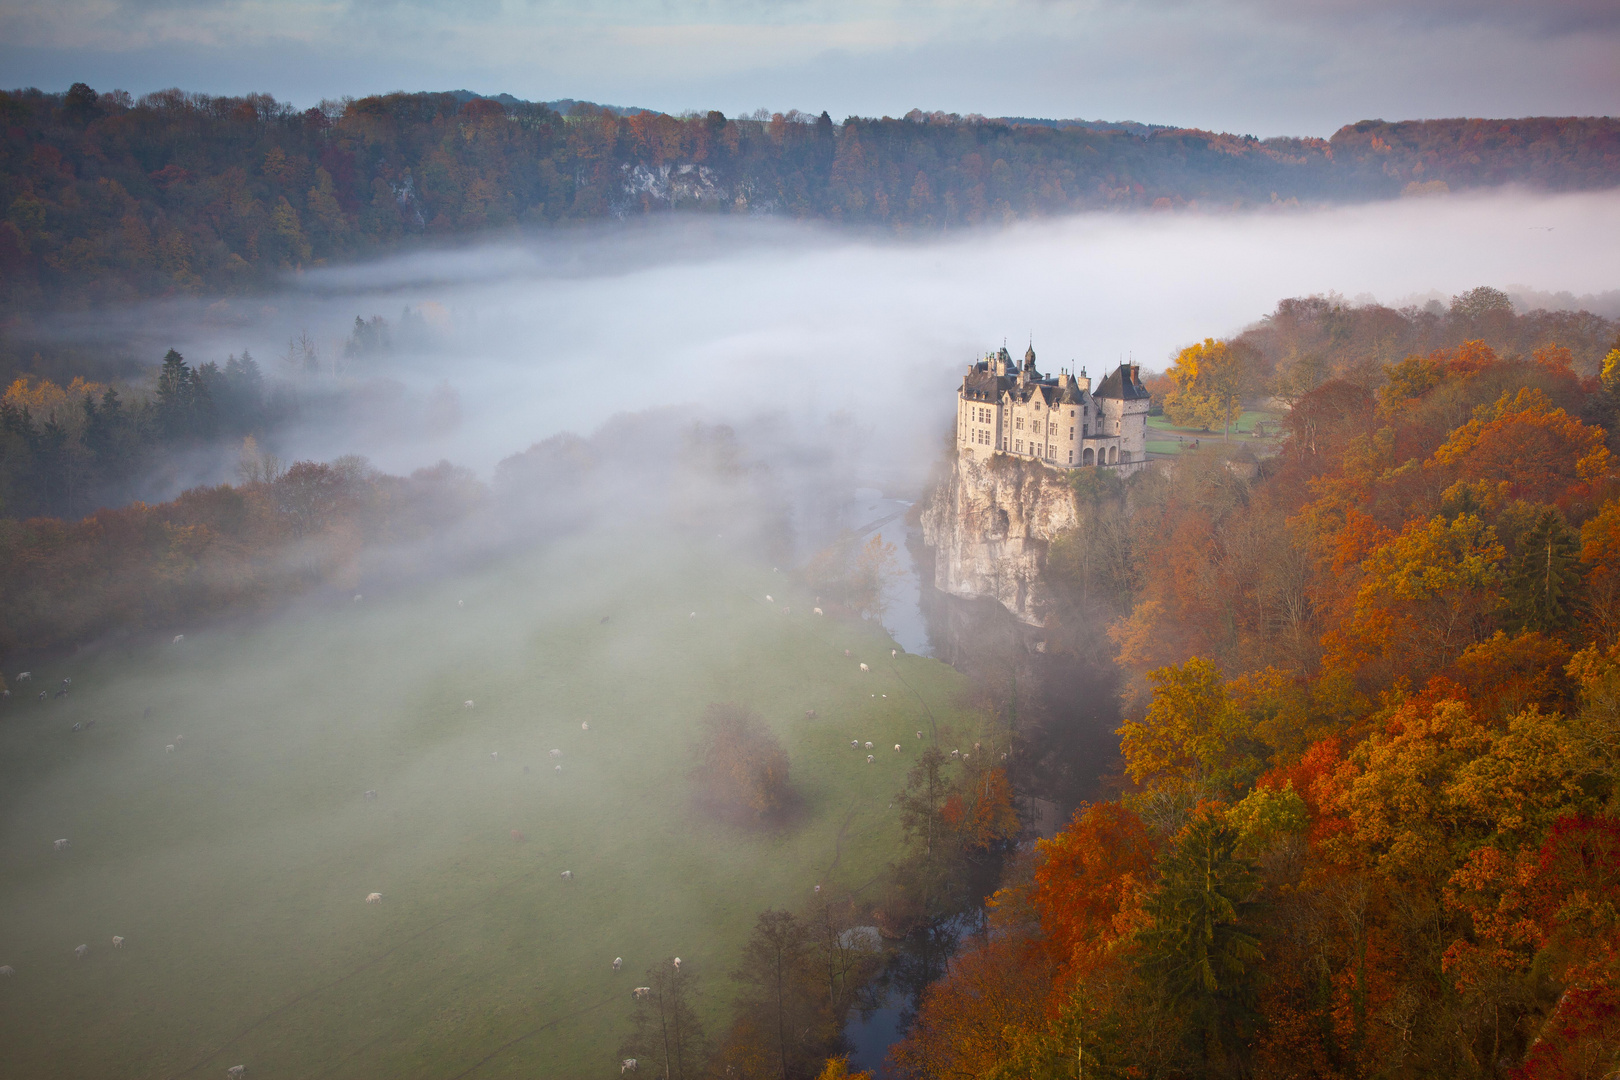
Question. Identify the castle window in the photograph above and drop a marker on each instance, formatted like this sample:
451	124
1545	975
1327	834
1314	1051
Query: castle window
1019	423
1018	446
1071	433
1071	457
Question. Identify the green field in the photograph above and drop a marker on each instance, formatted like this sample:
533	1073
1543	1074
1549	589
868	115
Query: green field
236	866
1165	438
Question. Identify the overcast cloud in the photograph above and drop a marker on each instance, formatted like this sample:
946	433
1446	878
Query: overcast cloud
1254	66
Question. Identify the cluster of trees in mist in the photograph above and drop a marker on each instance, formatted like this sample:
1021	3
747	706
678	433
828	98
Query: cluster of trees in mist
1368	819
802	972
108	198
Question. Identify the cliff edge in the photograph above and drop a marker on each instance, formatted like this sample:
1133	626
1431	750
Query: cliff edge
990	521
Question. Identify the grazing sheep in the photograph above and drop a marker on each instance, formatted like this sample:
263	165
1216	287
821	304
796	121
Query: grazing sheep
816	611
818	890
618	962
870	759
627	1065
568	875
869	744
640	992
897	748
67	682
80	951
677	963
559	768
854	744
584	725
178	638
7	971
118	942
461	603
956	753
369	796
556	753
236	1071
494	755
60	693
692	616
169	749
59	845
865	668
809	714
44	695
24	676
88	724
976	746
919	734
78	727
768	599
374	898
467	704
846	652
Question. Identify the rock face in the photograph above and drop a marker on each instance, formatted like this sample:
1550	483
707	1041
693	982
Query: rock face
990	523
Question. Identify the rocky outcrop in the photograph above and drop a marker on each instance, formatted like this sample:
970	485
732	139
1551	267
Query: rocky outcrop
990	522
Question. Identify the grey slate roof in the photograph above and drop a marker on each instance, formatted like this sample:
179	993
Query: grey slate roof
1123	384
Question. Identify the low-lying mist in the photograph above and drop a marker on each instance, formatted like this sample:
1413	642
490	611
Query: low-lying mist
810	336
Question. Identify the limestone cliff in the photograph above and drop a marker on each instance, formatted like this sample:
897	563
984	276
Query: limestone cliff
989	522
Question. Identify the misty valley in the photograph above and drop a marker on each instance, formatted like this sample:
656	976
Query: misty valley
500	588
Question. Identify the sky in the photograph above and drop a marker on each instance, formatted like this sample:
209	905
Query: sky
1262	67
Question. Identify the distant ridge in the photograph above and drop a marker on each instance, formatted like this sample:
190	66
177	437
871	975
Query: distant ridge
564	106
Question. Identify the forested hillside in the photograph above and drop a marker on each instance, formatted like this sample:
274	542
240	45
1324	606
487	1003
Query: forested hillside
106	198
1369	818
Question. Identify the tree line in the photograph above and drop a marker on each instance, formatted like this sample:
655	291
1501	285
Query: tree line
108	198
1367	820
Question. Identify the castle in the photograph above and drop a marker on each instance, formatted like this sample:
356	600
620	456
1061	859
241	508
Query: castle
1058	420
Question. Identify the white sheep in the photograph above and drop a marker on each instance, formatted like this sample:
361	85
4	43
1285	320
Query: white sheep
640	992
24	676
768	599
919	734
559	768
854	744
7	971
568	875
870	759
584	725
897	748
818	890
59	845
556	753
358	598
869	744
494	755
369	796
956	753
893	653
236	1071
118	942
169	749
80	951
627	1065
461	603
865	668
816	611
618	962
467	704
677	963
374	898
178	638
692	616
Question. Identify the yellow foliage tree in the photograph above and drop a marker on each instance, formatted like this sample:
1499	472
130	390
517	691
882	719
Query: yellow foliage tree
1211	379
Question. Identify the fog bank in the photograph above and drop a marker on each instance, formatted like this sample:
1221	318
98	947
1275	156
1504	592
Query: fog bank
789	325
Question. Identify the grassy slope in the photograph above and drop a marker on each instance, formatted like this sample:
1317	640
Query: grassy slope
237	866
1162	434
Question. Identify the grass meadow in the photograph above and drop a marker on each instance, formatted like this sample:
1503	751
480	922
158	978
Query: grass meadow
236	866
